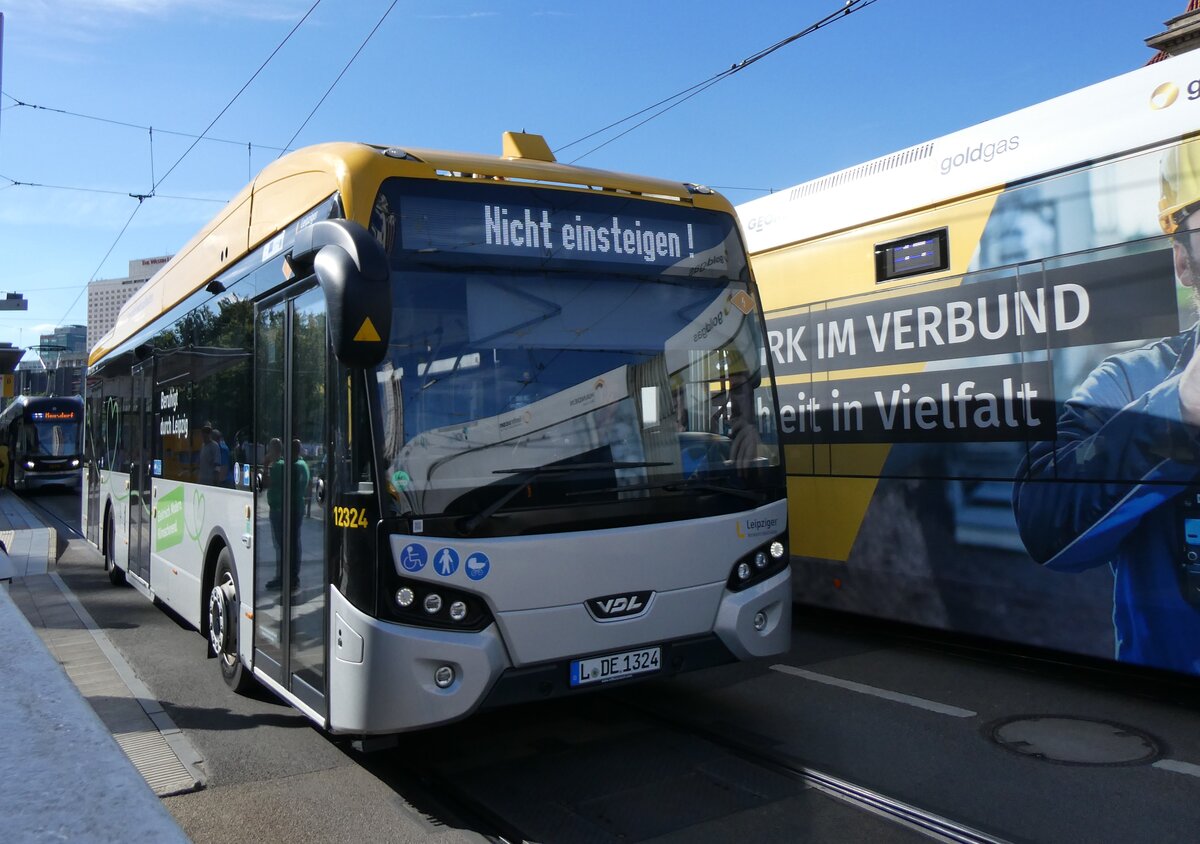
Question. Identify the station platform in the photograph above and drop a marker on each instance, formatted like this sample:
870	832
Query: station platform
71	727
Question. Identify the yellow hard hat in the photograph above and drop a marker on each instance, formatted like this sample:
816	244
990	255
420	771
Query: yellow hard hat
1179	182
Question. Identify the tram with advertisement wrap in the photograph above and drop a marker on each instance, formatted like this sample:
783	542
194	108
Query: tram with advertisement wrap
406	434
984	347
44	437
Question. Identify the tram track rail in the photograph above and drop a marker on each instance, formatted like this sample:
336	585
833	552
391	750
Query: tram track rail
436	796
435	791
934	826
61	526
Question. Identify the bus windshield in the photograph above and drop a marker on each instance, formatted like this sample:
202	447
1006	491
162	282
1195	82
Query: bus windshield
606	376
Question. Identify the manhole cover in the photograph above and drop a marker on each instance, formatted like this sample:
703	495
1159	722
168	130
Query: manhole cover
1075	741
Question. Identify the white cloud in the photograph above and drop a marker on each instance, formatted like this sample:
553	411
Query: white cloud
94	21
459	17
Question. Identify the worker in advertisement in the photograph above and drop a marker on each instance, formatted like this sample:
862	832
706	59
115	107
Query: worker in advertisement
1128	446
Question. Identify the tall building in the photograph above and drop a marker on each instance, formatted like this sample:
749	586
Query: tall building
54	367
71	338
106	296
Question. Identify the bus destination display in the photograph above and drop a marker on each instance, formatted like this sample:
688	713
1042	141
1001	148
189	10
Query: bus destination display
522	229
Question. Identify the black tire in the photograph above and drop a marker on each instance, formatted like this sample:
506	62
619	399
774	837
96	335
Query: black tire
116	576
224	607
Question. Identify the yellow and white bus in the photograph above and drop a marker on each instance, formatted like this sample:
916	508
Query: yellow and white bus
983	346
408	433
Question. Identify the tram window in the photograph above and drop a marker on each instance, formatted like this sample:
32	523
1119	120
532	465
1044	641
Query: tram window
926	252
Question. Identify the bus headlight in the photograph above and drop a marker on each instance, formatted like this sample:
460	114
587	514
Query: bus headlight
433	605
759	564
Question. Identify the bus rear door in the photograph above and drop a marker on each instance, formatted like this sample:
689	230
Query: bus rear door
140	460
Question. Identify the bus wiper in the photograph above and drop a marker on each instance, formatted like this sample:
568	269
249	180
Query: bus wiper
527	476
560	468
699	486
709	486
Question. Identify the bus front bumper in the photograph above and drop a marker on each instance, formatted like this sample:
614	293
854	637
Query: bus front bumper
382	674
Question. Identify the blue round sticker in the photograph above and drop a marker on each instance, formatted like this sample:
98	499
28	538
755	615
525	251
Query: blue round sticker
478	565
445	561
413	557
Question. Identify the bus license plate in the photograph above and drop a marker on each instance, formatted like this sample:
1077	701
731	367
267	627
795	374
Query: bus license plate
601	669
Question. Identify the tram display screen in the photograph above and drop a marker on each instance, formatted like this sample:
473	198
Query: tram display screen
921	253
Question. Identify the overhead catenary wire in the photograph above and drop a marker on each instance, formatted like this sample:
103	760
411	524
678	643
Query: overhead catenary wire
16	103
841	12
328	90
141	198
847	8
96	272
233	99
16	183
739	187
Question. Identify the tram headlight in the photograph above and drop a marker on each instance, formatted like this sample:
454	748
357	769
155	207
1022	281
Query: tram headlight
29	464
760	560
443	677
743	571
405	597
75	463
458	611
433	603
777	549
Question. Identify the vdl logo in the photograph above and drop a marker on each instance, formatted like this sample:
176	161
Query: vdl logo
1165	95
612	607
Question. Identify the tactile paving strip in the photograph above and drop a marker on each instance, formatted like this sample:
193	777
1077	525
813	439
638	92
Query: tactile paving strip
155	746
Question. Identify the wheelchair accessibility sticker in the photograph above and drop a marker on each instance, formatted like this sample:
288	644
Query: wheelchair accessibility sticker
413	557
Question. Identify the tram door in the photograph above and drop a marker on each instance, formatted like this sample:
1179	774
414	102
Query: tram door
139	471
291	431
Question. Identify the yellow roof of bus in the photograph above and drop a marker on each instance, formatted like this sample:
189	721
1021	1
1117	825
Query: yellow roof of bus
296	182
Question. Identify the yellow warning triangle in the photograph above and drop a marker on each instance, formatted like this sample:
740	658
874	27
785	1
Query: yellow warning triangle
366	333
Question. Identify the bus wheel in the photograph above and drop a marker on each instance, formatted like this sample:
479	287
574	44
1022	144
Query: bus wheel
223	608
115	575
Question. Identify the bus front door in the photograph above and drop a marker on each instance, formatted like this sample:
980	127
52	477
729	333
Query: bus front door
291	429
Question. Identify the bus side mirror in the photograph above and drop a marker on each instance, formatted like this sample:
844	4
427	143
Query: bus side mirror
352	269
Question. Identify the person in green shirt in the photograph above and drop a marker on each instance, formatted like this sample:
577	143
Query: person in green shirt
296	495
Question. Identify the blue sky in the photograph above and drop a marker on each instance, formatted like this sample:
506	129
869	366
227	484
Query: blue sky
456	75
